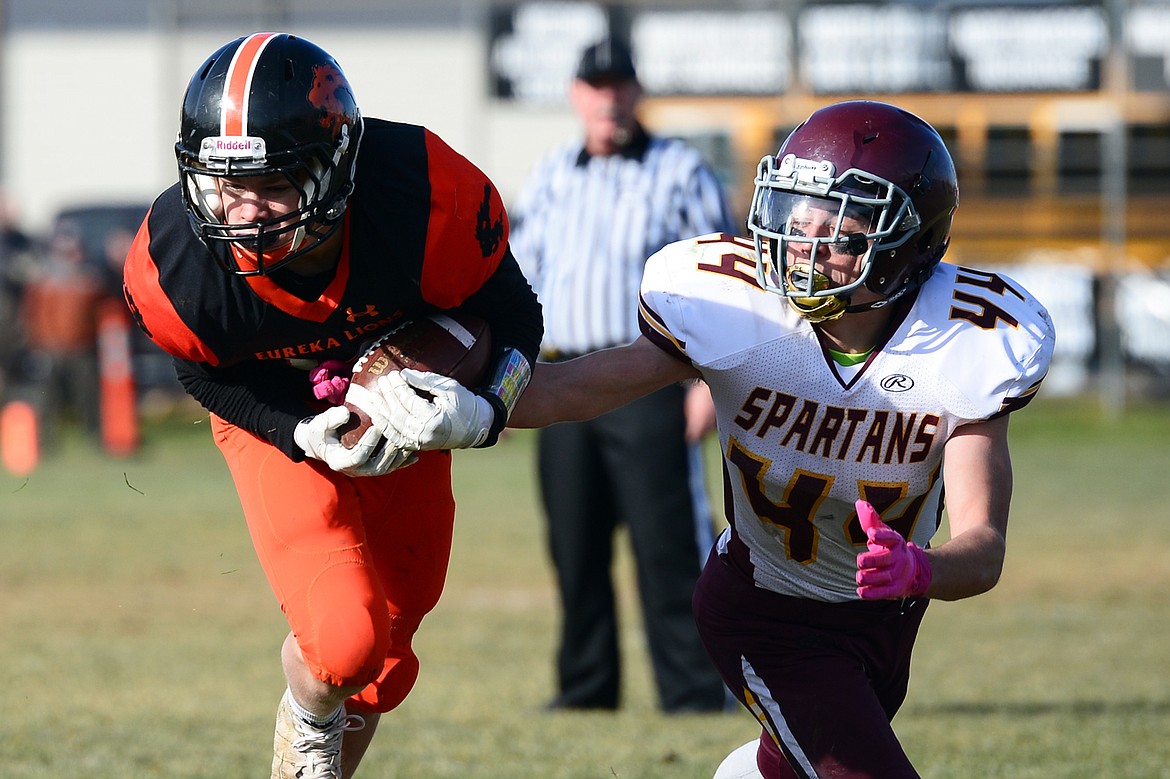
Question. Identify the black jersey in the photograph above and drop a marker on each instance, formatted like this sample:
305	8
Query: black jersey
425	230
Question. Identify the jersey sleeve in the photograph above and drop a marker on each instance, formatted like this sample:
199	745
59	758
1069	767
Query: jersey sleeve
691	284
1034	359
510	307
660	314
997	342
467	227
266	400
1039	337
150	304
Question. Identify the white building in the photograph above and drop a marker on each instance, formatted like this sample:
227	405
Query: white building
90	92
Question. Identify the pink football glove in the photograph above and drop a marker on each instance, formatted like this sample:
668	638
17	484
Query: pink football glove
328	381
892	568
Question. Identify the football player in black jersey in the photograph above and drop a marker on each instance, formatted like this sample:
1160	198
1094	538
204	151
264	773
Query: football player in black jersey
263	271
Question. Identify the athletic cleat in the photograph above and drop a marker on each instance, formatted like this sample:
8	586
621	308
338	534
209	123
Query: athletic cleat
303	751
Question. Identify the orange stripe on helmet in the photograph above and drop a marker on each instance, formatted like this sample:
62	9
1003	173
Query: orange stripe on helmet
233	118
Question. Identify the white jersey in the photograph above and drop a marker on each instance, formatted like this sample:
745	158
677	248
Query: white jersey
802	439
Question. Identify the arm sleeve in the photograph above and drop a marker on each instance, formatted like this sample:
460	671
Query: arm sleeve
267	401
510	307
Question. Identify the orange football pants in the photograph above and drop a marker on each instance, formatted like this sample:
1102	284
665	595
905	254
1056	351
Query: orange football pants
356	563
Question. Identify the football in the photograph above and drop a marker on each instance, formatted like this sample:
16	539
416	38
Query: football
455	344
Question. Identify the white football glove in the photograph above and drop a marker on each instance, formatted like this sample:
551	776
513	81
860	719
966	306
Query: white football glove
453	417
317	436
383	460
374	404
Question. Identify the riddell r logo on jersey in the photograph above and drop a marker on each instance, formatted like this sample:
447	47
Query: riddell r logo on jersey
897	382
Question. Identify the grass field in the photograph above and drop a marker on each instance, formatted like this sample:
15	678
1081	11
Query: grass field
138	637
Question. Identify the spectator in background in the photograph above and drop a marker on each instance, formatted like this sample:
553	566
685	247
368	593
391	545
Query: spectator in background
15	259
115	247
59	319
591	213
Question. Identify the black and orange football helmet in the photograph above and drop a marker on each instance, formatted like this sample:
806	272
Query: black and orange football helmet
268	103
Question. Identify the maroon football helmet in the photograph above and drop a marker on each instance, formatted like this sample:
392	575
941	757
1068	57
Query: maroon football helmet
887	182
262	104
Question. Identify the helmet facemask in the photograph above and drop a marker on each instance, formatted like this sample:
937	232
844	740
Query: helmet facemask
261	247
803	215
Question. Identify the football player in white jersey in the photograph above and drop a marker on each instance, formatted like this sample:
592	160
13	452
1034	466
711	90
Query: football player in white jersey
856	380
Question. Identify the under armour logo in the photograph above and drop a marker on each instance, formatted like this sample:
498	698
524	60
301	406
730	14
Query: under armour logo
897	382
352	315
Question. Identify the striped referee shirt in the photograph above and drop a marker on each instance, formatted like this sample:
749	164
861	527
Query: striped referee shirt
583	227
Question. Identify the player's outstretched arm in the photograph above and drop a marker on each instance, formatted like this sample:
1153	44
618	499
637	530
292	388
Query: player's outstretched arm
589	386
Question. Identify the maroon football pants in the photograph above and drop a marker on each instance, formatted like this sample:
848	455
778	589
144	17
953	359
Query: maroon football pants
823	679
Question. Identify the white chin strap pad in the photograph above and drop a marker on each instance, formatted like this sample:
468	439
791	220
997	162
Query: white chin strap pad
203	191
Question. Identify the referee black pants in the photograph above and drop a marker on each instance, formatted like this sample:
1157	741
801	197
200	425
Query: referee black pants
629	466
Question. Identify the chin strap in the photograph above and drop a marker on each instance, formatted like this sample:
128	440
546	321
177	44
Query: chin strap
876	304
861	308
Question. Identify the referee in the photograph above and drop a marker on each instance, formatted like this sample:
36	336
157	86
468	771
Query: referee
589	216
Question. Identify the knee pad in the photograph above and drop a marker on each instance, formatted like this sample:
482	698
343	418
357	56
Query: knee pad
350	629
398	672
